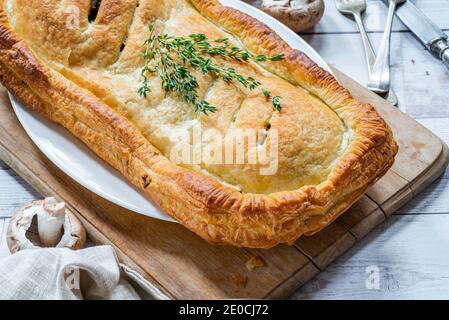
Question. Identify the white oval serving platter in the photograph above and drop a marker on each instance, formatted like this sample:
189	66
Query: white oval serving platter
77	161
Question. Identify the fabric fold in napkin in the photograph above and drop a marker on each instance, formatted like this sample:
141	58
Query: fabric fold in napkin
93	273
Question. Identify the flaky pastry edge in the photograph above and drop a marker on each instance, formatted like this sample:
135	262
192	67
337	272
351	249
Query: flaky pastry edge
212	210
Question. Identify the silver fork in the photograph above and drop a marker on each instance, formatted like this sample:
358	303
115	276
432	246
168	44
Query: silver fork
379	80
356	8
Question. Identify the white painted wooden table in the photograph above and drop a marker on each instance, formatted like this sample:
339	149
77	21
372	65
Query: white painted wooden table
411	249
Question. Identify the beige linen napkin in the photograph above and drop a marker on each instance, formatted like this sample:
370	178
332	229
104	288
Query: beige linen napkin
92	273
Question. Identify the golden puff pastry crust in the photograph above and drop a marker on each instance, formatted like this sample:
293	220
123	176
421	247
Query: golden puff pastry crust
83	73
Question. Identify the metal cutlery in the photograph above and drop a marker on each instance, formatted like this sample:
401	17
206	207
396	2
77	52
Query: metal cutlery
431	36
379	79
356	8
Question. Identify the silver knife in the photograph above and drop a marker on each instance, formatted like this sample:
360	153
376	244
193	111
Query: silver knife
433	38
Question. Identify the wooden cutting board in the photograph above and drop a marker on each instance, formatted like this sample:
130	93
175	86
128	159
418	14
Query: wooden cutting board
184	266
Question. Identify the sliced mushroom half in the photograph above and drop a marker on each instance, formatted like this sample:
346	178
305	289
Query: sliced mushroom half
45	223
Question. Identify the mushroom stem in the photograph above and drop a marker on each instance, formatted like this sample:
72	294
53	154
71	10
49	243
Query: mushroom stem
50	222
57	226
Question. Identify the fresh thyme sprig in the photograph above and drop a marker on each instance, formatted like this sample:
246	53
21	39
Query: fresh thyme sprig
172	57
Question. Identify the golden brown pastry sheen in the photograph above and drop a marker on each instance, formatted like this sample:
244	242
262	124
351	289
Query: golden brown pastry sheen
85	75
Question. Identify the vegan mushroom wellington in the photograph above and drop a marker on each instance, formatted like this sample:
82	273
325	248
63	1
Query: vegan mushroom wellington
156	88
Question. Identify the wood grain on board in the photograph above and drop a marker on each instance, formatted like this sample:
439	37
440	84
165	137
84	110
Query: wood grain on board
433	199
183	265
4	251
410	254
11	198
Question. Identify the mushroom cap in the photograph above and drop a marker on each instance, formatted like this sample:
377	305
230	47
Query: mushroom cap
298	15
23	234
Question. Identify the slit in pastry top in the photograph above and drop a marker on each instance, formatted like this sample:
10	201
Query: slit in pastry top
99	45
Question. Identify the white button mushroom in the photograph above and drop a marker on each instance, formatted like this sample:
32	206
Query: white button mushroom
299	15
45	223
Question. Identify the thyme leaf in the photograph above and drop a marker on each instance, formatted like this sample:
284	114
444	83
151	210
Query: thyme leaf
173	58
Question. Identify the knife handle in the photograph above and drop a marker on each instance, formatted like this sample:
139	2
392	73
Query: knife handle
445	57
441	49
